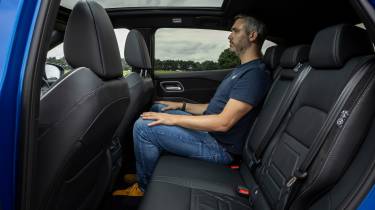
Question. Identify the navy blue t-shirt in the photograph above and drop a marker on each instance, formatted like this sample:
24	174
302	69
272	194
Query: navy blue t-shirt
249	83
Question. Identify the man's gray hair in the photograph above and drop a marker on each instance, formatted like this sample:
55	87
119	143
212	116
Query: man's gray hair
253	24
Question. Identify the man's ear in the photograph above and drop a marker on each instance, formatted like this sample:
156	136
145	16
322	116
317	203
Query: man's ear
253	36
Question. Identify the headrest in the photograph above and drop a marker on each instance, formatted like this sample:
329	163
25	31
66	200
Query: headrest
136	51
272	57
335	45
90	41
294	55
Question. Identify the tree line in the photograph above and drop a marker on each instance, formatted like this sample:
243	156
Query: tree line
227	59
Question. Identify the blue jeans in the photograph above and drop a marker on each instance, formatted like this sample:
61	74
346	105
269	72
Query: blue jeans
151	142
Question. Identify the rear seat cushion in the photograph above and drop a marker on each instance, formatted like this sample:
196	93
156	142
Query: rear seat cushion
167	196
197	174
198	185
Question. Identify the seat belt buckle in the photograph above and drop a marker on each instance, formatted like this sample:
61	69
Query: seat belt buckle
297	176
243	191
300	175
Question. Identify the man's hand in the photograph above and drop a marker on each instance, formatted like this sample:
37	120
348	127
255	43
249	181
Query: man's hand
159	118
170	105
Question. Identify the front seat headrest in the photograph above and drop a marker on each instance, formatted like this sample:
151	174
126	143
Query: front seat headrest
90	41
334	46
136	51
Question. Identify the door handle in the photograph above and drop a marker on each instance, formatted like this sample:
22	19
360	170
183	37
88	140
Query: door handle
171	86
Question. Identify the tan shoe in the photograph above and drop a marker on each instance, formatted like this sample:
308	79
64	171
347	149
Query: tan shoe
133	190
130	178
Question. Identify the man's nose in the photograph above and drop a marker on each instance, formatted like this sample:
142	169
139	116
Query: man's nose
230	36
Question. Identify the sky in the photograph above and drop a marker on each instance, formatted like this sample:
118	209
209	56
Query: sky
177	44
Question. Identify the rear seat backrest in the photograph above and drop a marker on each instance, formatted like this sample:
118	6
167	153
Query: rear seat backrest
280	89
339	148
330	57
345	193
272	59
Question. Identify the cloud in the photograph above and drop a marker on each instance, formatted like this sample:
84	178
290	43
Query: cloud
190	44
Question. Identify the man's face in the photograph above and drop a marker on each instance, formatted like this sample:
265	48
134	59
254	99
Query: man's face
239	39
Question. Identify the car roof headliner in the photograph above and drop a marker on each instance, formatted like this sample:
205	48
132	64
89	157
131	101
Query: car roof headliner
288	21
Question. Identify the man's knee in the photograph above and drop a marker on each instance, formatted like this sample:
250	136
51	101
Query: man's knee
140	125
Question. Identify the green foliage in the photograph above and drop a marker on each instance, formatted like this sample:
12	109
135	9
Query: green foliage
210	65
59	62
176	65
228	59
125	72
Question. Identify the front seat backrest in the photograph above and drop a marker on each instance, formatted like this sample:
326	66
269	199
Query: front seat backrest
138	57
80	114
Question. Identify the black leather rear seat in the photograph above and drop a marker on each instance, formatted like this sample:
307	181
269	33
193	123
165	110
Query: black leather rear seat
177	170
221	179
336	54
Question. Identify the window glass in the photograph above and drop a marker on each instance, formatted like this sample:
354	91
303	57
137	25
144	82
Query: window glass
56	55
150	3
179	50
266	45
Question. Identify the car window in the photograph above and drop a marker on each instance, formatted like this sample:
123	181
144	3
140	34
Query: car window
266	45
184	49
56	55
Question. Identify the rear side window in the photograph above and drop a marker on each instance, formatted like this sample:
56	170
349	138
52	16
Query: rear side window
266	45
184	49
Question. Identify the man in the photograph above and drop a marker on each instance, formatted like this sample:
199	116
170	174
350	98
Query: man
206	131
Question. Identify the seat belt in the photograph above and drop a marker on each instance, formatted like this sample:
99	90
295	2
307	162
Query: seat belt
287	102
337	116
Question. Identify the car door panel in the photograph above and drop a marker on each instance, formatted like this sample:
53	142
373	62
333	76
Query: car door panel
192	86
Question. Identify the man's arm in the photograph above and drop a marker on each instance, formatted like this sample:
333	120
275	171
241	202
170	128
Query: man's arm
196	109
233	111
